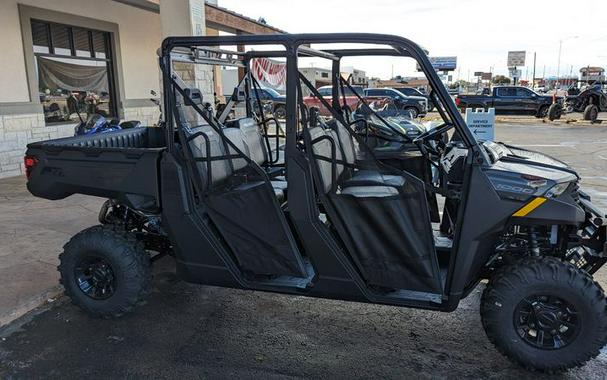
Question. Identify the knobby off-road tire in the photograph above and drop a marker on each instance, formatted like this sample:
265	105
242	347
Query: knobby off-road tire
115	261
591	112
503	303
555	111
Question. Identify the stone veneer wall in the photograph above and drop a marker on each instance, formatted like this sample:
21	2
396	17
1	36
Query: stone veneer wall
16	131
148	116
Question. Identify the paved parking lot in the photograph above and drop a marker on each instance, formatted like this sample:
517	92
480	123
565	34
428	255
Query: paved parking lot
190	331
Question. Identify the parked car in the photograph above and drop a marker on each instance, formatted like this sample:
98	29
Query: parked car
415	105
351	100
279	101
508	99
410	91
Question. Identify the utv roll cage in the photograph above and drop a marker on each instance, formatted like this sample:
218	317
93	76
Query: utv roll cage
439	291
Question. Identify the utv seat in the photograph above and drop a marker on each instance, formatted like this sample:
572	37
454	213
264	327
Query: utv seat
246	135
348	149
221	169
325	143
256	144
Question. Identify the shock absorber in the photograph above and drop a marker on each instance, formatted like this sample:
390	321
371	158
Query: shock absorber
534	247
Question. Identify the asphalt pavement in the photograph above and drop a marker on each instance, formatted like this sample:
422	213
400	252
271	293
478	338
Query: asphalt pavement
192	331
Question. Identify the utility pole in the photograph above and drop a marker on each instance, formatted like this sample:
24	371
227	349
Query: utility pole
558	64
533	78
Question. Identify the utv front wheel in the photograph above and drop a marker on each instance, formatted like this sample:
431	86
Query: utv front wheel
105	271
545	314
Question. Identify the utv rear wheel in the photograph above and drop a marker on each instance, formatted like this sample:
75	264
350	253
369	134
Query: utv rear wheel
105	271
545	314
591	112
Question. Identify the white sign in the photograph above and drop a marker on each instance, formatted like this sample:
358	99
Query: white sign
515	73
516	58
481	123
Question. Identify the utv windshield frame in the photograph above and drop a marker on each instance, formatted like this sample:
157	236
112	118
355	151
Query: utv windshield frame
297	45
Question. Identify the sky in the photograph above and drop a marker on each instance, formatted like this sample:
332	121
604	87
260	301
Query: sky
480	33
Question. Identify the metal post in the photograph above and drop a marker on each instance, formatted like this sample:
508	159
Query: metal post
558	66
533	78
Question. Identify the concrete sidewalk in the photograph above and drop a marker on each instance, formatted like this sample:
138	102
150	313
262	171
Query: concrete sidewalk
32	234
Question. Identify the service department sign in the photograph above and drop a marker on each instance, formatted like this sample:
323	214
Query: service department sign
481	123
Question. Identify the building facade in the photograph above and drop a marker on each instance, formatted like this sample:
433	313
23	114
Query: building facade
65	60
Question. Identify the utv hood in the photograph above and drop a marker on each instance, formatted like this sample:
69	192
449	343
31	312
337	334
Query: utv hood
507	157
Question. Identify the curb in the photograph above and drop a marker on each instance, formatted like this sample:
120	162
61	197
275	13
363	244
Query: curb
44	298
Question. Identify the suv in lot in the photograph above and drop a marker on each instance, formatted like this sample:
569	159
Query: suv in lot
410	91
415	105
278	101
350	99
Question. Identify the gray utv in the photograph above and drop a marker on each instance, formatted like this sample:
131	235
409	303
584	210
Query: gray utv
336	207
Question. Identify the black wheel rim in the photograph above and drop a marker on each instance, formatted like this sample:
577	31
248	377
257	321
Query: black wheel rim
280	113
546	322
95	278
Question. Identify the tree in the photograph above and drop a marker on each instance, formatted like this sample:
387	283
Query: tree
459	83
500	79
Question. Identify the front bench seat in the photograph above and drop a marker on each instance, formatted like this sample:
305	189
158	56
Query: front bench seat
322	148
364	176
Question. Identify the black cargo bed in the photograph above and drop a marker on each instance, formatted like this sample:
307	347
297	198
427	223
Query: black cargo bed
121	165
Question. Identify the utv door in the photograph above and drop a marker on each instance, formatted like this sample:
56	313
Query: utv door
381	215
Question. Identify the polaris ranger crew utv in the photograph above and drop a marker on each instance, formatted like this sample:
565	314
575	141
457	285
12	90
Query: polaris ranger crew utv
318	212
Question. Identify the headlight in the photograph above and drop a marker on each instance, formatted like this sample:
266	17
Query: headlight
557	190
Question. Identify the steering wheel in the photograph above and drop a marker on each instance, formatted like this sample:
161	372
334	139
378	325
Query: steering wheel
432	134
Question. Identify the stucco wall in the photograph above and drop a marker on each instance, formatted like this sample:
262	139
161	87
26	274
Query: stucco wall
139	34
13	79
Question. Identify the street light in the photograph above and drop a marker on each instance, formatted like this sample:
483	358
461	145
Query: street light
558	65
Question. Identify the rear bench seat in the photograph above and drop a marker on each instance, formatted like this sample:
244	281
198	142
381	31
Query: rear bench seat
247	139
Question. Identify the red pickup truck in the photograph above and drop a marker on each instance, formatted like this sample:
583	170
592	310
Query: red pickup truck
325	91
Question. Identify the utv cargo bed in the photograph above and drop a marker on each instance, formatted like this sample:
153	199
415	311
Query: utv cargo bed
119	165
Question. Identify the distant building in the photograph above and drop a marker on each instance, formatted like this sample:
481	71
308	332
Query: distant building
317	76
590	74
355	76
415	82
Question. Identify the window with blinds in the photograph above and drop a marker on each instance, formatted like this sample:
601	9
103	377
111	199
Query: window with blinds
74	70
58	39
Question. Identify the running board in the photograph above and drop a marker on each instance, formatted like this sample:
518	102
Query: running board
417	296
291	281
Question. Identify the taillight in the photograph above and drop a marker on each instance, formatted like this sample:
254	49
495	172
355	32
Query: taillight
458	101
30	162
